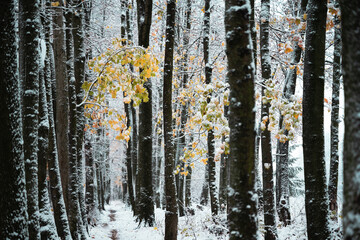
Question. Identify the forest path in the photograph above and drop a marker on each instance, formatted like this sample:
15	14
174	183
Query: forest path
117	223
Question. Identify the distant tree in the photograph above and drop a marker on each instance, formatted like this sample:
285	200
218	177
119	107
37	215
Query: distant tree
313	122
13	205
350	12
242	212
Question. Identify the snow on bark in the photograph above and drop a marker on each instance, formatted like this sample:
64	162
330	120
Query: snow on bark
242	212
13	206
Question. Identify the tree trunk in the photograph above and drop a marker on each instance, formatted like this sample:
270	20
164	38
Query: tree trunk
313	122
334	159
145	202
350	12
13	217
171	216
242	213
30	12
267	166
282	158
210	137
62	100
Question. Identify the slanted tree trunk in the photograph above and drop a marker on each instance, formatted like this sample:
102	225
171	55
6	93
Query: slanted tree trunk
13	217
145	202
350	12
334	158
267	166
30	12
171	216
242	213
313	122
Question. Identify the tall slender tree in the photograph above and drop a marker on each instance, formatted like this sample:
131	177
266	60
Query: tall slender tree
30	15
267	166
334	154
313	122
350	12
13	205
210	138
171	215
242	213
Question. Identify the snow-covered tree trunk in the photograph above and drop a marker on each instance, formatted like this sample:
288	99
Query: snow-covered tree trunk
350	13
171	215
334	159
30	12
316	199
13	206
210	138
145	202
267	166
74	214
46	218
79	73
242	212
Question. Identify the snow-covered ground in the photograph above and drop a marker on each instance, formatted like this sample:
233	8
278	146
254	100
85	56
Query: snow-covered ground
117	222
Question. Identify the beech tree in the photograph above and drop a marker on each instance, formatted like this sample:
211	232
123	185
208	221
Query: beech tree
242	212
313	120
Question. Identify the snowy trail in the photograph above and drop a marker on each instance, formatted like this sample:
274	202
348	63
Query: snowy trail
117	223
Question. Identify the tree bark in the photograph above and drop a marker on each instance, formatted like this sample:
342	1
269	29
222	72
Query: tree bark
313	122
30	12
267	165
334	155
350	12
171	216
242	213
145	202
13	217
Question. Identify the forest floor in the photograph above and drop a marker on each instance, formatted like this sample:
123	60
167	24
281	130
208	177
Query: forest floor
118	223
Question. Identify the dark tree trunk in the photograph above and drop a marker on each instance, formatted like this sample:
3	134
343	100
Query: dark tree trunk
267	163
46	218
334	159
242	213
13	217
62	100
79	73
30	14
90	178
74	214
171	216
57	197
313	122
350	12
145	202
